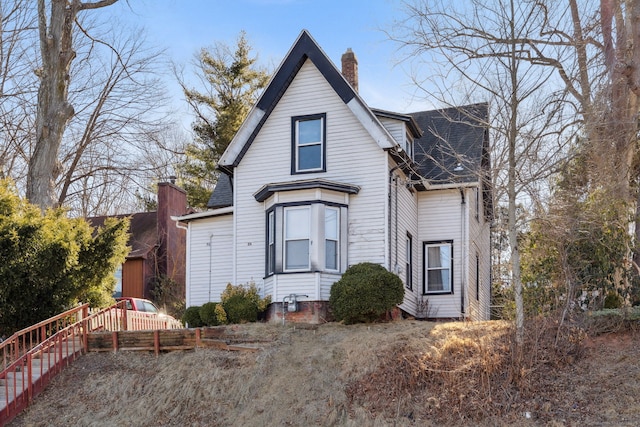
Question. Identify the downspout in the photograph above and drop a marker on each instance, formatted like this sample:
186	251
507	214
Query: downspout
463	243
210	244
389	225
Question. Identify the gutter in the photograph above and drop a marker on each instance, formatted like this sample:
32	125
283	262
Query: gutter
205	214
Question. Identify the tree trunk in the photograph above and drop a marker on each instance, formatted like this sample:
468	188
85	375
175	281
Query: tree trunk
54	110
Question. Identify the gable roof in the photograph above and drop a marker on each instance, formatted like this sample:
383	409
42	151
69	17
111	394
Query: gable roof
143	228
305	48
454	145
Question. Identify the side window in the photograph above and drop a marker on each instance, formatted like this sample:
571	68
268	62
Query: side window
409	263
332	236
308	144
438	260
271	243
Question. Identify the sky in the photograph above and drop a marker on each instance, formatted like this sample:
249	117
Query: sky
183	27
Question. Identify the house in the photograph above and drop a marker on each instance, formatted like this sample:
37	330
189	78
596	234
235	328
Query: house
158	247
315	181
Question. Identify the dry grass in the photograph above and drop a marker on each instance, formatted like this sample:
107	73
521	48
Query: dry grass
404	373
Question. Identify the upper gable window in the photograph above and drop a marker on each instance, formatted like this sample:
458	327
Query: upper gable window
308	143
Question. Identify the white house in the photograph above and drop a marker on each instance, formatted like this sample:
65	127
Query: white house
315	181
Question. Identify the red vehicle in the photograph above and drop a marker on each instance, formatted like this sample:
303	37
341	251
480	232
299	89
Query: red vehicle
139	304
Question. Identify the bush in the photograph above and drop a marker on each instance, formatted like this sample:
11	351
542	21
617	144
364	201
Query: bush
243	303
209	314
192	318
613	300
364	293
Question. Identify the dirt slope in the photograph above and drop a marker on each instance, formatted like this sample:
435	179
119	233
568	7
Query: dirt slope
405	373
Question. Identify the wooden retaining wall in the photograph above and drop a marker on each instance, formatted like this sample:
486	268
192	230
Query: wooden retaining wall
171	340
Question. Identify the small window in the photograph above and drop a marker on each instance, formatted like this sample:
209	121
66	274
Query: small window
296	238
438	262
308	144
409	263
331	234
271	243
477	277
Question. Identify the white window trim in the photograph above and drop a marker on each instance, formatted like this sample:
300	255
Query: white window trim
337	239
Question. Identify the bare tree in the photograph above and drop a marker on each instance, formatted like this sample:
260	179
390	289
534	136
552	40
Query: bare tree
54	110
478	51
17	86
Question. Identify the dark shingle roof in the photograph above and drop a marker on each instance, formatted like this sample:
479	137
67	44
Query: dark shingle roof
454	144
222	195
142	228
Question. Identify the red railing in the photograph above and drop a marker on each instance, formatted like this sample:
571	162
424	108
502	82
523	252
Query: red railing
32	356
18	344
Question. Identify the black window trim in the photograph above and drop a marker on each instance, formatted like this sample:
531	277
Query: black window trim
409	263
294	147
424	267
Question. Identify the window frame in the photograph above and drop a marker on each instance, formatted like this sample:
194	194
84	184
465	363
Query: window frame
286	238
270	255
409	262
336	240
295	146
477	277
426	269
317	251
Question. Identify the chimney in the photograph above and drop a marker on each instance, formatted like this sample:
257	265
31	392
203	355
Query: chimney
172	201
350	68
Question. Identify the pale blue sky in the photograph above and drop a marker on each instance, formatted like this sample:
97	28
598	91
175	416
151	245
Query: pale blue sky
182	27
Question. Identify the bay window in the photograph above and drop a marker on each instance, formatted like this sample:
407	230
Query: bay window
305	238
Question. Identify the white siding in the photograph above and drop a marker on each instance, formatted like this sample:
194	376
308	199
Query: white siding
395	127
440	215
479	244
210	242
268	160
404	220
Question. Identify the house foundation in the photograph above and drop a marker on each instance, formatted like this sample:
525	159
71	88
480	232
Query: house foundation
313	312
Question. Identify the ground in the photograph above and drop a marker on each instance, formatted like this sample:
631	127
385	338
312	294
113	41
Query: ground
402	373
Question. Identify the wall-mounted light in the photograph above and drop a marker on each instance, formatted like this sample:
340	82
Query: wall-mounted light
458	168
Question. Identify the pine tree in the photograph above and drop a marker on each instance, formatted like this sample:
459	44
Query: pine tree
234	83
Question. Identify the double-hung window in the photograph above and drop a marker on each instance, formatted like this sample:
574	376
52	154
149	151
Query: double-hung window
271	242
308	143
296	238
409	263
438	266
332	236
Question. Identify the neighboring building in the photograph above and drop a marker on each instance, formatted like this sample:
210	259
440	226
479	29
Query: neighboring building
315	181
157	245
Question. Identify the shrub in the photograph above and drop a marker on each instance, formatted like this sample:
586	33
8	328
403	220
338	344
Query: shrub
209	314
613	300
364	293
192	318
243	303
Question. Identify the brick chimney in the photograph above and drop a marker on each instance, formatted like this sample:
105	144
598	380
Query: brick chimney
350	68
172	201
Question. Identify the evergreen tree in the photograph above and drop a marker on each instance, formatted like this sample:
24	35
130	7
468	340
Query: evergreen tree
51	262
233	83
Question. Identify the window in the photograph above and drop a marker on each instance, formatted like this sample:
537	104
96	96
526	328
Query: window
271	242
305	238
409	264
308	134
331	245
477	277
438	261
296	238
